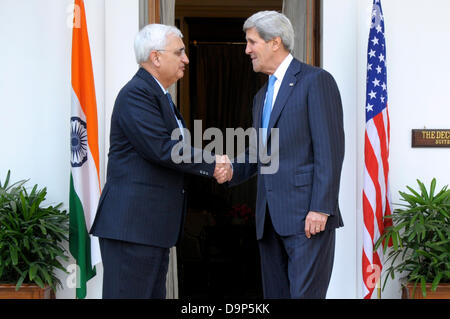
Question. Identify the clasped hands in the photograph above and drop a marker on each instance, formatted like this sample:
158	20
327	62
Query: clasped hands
224	170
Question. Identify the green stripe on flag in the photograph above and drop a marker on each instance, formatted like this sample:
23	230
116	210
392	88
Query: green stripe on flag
79	242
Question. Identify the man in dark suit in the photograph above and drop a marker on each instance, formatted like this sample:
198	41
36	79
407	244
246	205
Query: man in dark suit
297	203
141	210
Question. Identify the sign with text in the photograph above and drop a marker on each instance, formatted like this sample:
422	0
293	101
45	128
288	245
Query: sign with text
431	138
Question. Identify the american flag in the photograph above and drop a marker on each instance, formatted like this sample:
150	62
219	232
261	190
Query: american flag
376	195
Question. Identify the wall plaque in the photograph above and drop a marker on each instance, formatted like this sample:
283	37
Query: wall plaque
431	138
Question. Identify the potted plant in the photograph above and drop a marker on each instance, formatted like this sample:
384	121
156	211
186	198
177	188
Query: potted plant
31	238
420	235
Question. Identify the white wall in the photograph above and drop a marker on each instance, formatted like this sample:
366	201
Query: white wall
35	90
35	95
418	56
417	68
338	56
122	24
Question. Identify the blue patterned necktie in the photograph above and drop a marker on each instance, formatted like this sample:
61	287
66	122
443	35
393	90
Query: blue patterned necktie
169	97
268	107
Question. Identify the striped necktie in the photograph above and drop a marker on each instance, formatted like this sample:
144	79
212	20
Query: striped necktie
174	110
176	113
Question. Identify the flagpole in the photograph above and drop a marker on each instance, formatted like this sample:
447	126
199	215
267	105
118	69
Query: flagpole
379	288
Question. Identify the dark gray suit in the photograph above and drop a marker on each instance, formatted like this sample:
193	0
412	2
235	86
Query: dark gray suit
308	115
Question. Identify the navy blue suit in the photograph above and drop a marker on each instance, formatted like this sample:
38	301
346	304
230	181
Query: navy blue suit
143	201
308	115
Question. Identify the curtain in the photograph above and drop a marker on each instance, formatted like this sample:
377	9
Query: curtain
167	11
222	92
302	14
219	100
143	13
167	14
295	10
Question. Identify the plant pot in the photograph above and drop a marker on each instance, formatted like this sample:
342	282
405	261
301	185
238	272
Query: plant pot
442	292
26	291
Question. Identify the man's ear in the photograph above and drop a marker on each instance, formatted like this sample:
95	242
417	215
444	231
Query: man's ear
154	58
276	43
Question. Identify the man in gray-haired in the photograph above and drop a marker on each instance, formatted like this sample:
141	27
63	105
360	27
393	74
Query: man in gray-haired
297	206
142	207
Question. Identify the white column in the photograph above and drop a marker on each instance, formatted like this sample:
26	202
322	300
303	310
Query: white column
339	57
121	25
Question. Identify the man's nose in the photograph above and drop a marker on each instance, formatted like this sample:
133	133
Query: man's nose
185	59
247	49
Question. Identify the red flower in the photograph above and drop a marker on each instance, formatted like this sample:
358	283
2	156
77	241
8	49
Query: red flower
241	211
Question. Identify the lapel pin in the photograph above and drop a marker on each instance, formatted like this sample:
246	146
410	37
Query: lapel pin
291	84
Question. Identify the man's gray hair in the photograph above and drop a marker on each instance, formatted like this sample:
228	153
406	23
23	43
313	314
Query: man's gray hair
272	24
152	37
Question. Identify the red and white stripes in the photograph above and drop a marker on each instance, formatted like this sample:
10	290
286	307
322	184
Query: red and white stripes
376	196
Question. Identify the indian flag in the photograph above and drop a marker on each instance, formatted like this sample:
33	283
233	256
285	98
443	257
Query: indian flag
84	177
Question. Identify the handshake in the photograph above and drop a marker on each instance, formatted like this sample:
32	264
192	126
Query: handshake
224	170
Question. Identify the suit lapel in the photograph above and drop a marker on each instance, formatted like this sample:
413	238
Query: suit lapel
167	114
260	105
178	114
286	89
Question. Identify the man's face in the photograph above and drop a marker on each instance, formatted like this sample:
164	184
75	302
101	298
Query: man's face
173	60
259	51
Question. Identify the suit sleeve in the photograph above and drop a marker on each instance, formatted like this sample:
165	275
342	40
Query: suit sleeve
327	134
245	165
141	119
243	169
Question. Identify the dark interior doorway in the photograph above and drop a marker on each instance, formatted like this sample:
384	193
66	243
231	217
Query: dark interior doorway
218	255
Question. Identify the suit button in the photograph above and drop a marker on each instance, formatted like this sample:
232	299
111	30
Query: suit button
182	191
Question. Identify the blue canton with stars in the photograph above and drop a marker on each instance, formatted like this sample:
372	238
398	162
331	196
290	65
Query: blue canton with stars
376	89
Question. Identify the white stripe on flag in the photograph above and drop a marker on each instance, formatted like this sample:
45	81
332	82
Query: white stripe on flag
369	190
87	188
374	139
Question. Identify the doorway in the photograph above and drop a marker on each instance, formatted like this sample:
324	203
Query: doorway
218	254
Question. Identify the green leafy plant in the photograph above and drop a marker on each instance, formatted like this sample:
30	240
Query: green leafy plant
31	236
420	234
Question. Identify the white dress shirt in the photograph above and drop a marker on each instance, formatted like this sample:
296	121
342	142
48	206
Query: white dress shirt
279	74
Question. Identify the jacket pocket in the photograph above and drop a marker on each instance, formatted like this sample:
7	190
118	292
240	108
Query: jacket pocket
302	179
